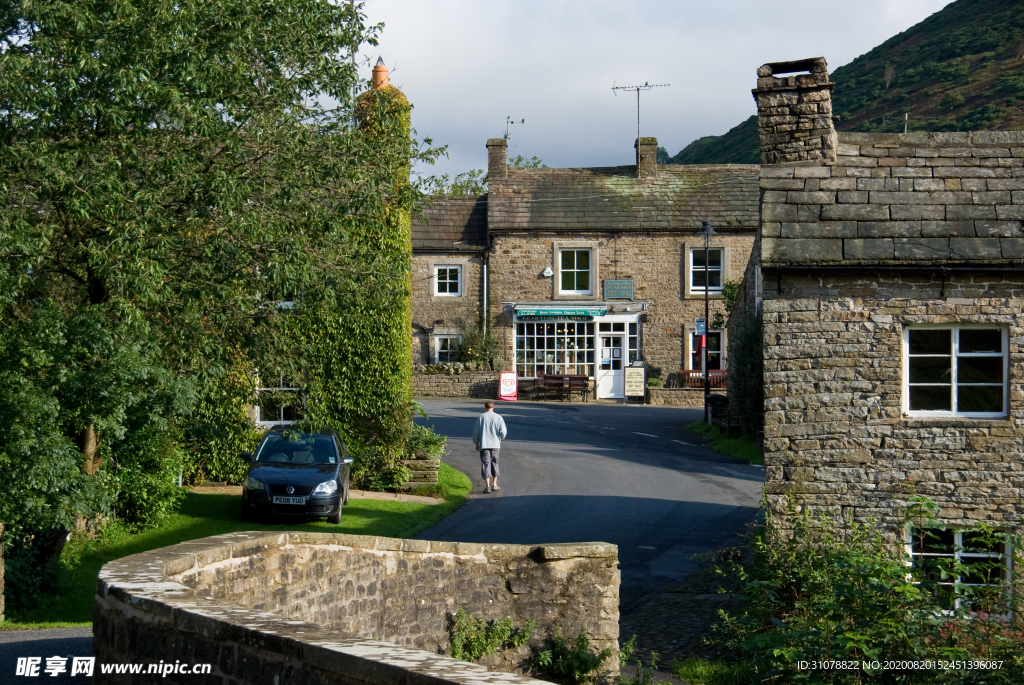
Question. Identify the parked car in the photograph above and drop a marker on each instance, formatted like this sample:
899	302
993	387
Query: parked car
296	474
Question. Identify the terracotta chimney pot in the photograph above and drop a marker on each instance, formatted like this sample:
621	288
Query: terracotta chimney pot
380	75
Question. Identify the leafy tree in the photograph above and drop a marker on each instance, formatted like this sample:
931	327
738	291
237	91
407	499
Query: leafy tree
164	168
473	182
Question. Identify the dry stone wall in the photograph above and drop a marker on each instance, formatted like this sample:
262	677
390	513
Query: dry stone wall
324	608
464	384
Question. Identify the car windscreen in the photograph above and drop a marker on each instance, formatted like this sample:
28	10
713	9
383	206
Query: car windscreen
297	448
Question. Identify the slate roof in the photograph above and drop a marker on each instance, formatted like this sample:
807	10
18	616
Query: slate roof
451	225
614	198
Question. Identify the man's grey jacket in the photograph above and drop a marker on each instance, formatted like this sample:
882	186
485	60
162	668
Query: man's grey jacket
489	431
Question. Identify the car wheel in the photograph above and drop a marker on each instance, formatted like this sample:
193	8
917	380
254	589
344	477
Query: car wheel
247	516
336	517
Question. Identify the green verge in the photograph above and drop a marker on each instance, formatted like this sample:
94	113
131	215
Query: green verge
201	516
707	672
742	446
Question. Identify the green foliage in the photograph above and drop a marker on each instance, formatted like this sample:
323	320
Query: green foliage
745	447
477	345
424	443
730	291
706	672
574	663
520	162
474	638
626	650
655	383
472	183
166	167
825	593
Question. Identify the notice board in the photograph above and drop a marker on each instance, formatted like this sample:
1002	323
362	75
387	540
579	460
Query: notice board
635	386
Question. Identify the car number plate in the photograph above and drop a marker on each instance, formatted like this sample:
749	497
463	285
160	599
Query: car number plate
289	500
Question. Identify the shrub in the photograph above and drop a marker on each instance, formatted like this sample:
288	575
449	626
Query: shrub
474	638
655	383
826	594
574	663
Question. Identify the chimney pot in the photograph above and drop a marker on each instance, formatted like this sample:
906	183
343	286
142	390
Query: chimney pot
646	157
379	79
497	159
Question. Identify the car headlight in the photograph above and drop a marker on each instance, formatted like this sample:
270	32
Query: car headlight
326	488
252	483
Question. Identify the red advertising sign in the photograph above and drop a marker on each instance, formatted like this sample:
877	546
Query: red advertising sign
508	386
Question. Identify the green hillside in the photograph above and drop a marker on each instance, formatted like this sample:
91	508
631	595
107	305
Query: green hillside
961	69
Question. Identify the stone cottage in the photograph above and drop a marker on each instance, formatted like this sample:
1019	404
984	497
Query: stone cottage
584	270
890	272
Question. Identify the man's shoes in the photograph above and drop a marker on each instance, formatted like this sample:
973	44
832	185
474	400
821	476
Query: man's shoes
495	488
487	490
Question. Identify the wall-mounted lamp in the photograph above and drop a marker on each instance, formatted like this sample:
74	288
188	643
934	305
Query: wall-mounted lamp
547	272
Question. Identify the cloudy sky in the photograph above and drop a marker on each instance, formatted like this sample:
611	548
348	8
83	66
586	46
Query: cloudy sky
467	64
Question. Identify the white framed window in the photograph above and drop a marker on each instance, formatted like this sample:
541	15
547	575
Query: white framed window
554	347
969	568
275	408
575	272
711	280
448	280
446	348
955	370
716	351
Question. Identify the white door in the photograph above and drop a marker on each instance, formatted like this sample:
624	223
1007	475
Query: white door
611	378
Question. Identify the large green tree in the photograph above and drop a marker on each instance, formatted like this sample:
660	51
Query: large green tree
168	170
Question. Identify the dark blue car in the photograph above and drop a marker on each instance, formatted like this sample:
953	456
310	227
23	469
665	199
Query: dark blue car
297	474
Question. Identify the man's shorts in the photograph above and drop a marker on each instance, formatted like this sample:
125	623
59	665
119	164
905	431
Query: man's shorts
489	463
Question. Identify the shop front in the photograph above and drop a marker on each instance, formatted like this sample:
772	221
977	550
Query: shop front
585	340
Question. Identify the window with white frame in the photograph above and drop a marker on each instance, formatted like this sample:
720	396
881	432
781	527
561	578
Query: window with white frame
575	271
279	403
446	348
965	568
554	347
956	370
448	280
711	279
716	359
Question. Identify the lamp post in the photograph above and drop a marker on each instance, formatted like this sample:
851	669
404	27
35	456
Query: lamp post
707	231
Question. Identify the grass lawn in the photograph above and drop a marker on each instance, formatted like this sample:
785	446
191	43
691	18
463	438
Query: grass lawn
203	515
740	446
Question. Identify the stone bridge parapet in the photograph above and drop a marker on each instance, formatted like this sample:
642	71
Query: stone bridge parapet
278	607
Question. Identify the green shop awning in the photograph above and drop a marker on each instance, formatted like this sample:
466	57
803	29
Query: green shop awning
570	313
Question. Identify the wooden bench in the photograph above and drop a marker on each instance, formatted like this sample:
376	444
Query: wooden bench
562	384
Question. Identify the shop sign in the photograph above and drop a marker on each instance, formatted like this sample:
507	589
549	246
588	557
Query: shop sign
618	290
508	386
635	385
568	313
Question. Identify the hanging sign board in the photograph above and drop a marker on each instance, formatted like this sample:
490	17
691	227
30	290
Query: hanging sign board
508	386
701	327
618	289
635	385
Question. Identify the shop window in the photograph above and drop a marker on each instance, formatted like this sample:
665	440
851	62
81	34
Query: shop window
446	348
711	279
448	280
554	347
957	370
574	272
966	568
716	358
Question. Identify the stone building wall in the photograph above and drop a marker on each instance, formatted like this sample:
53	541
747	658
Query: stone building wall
443	314
657	263
464	384
345	609
897	230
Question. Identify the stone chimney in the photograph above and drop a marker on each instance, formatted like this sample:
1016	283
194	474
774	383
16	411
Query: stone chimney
497	159
646	157
794	112
379	79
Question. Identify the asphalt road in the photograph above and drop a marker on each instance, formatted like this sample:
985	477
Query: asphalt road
574	472
630	475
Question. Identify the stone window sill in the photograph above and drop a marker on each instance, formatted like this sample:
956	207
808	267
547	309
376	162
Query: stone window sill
955	422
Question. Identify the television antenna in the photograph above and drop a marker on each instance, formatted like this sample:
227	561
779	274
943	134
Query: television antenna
646	86
509	121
